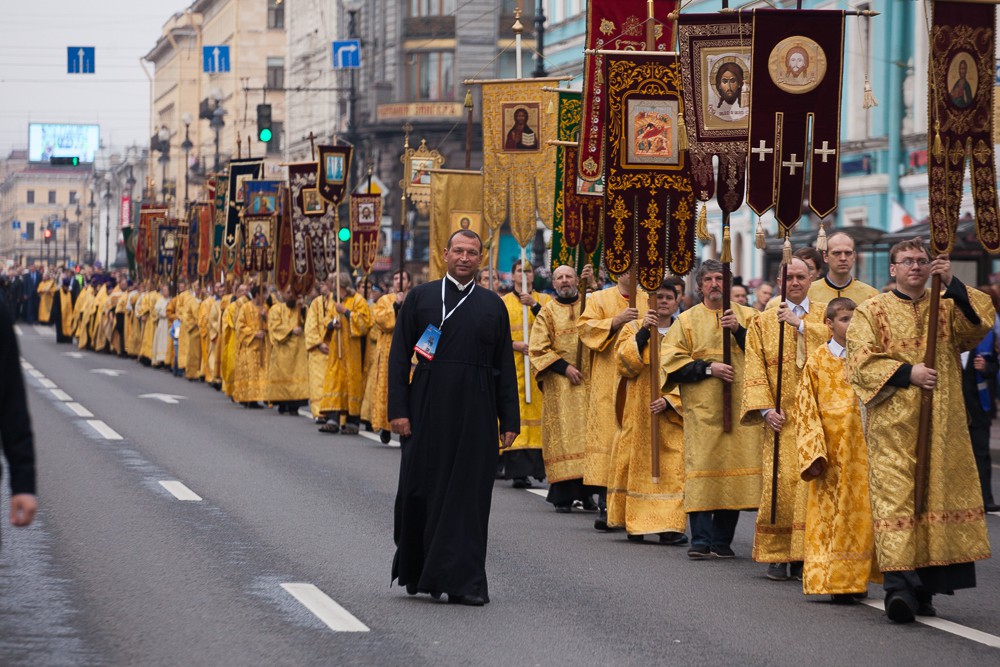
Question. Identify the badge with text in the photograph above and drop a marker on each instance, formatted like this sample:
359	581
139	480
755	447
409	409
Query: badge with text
428	343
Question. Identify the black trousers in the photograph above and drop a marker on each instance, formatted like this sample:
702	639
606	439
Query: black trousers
980	435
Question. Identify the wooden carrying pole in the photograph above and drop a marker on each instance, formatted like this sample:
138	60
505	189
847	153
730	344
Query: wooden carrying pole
926	403
727	340
777	397
654	332
336	236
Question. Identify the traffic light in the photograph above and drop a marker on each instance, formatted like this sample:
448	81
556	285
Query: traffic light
67	161
47	234
344	234
264	122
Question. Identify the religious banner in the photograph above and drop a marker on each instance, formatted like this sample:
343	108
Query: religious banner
648	198
261	197
576	214
456	203
334	172
150	219
613	25
221	189
961	106
240	171
519	119
261	237
417	166
204	216
715	64
366	219
129	237
311	227
168	246
795	113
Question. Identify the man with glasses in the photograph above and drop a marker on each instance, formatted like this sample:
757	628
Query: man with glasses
934	552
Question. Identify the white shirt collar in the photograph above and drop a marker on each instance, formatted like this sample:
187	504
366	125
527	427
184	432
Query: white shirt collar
804	304
458	286
836	349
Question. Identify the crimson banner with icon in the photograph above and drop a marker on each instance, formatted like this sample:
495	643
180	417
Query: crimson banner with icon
366	217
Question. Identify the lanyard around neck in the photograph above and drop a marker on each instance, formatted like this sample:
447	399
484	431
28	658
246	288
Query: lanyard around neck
444	313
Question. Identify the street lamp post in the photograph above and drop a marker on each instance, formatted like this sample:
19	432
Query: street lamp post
164	137
539	41
78	212
90	228
353	7
107	228
65	234
217	123
186	146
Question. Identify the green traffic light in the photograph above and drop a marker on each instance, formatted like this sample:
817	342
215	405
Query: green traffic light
76	161
344	234
265	134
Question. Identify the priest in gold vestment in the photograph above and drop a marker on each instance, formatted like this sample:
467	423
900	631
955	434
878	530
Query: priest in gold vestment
62	312
636	502
318	337
343	383
229	316
781	542
250	343
833	460
562	373
146	324
80	309
606	313
722	471
46	294
839	281
191	332
936	551
524	458
288	367
384	319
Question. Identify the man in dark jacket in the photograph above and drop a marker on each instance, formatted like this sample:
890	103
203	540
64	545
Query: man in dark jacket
979	386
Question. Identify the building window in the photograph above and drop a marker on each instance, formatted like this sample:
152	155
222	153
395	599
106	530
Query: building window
72	196
29	230
274	145
432	7
430	76
275	14
52	196
275	73
31	196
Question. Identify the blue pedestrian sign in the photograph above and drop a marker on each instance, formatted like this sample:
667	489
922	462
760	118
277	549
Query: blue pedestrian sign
80	59
24	236
214	59
15	224
347	54
56	224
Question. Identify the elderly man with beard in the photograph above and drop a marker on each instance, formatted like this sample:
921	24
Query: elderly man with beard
722	469
562	372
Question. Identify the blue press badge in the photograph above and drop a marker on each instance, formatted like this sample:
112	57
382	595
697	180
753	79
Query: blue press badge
428	343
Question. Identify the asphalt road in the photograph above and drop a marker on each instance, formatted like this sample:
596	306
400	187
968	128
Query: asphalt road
119	571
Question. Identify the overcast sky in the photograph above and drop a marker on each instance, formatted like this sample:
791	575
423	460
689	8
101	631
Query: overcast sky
34	84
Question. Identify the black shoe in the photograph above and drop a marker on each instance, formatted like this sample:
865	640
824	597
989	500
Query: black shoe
843	598
673	539
601	524
468	600
385	436
925	605
636	538
701	552
901	606
281	409
589	505
521	483
564	508
722	552
992	507
795	570
319	420
777	572
411	588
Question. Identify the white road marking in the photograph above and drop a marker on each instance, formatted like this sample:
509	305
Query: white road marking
47	383
79	410
325	608
35	373
180	491
948	626
43	331
171	399
994	513
539	492
26	366
110	372
61	395
376	438
17	330
103	429
75	355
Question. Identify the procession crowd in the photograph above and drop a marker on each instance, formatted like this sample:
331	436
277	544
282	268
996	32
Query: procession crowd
667	414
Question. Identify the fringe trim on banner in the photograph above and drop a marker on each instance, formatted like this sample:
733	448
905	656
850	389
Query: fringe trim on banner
702	228
682	135
870	100
821	239
761	238
786	251
726	256
937	150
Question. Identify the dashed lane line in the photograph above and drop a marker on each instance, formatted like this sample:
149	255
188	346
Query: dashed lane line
103	429
37	374
26	366
948	626
47	383
17	330
79	409
61	395
325	608
539	492
179	490
42	331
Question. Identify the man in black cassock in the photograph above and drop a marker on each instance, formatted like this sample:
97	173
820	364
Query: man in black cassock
447	417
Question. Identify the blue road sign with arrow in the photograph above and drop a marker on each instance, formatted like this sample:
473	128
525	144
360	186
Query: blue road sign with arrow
15	224
347	54
214	59
80	59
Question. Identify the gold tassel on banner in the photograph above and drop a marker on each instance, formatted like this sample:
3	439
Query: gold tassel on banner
726	256
821	239
786	251
551	109
701	230
937	150
468	99
682	135
870	100
761	241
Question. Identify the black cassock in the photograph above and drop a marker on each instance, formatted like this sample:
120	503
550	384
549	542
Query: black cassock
457	405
